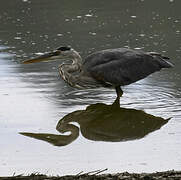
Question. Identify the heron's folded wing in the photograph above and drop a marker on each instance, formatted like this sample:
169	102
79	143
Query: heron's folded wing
125	70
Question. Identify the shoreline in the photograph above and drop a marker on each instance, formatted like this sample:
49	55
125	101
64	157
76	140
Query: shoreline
164	175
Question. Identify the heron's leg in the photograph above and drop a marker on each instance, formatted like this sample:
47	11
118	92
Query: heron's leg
119	93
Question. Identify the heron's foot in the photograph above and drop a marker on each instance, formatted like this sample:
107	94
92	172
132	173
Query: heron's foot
116	103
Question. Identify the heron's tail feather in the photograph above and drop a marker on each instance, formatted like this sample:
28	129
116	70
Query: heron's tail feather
167	64
162	60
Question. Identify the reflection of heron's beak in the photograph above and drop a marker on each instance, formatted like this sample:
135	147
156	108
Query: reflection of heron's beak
44	57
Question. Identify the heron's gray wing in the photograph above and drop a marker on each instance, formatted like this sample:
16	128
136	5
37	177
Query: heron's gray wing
123	66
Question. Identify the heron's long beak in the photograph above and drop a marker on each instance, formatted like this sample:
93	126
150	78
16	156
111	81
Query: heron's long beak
44	57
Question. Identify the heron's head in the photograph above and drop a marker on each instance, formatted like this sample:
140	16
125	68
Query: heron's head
64	52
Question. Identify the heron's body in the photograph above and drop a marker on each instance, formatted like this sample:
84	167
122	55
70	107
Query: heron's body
107	68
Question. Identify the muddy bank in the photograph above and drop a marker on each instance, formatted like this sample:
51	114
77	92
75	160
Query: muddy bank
170	175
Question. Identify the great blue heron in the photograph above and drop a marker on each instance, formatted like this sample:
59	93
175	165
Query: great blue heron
106	68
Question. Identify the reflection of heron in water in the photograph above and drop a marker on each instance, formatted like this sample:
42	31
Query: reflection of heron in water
107	68
101	122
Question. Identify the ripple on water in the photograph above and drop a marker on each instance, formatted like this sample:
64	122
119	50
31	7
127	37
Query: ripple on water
158	99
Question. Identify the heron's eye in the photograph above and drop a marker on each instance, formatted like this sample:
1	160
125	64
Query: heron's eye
64	48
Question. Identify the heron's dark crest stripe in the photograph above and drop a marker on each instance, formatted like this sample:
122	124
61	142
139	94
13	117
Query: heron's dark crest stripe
64	48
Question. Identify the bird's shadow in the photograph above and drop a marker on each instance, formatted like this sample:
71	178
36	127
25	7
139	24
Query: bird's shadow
101	122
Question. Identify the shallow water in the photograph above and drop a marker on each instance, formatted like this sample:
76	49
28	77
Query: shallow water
33	98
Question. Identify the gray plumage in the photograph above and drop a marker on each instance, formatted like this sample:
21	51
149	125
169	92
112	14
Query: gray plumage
107	68
122	66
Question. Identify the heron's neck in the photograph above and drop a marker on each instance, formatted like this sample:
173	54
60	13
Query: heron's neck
77	58
76	63
70	72
75	66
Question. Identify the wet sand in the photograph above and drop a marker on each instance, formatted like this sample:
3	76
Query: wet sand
176	175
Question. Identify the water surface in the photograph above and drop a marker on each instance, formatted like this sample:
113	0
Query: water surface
33	98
